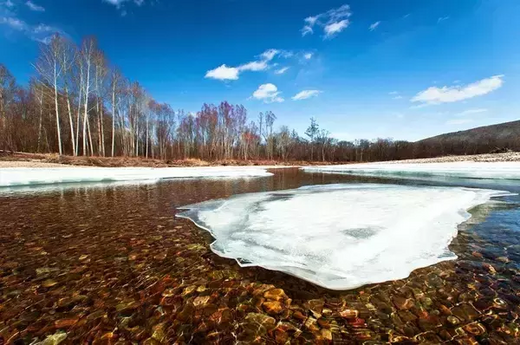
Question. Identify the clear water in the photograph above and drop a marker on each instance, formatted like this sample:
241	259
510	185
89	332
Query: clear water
92	262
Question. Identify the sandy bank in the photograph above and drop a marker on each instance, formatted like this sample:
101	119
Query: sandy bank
491	157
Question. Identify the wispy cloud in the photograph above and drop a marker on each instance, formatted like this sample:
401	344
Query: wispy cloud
14	23
308	56
41	33
395	95
225	72
254	66
449	94
331	30
332	22
306	94
7	3
268	93
374	26
466	116
119	4
458	121
472	112
269	54
441	19
34	7
281	70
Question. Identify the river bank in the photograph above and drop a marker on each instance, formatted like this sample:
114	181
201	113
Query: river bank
37	160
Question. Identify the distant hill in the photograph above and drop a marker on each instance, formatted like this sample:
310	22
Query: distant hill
487	139
501	131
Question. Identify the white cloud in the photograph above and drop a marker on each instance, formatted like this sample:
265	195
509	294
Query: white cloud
223	73
43	28
306	94
307	30
395	94
307	56
472	111
268	93
435	95
374	26
311	20
466	116
34	7
119	4
335	28
269	54
41	33
8	4
333	22
14	23
281	70
458	121
115	2
441	19
254	66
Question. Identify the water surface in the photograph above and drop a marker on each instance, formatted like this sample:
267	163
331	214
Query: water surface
111	263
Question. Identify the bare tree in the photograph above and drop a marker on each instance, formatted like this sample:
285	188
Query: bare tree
100	73
50	68
87	56
7	95
115	87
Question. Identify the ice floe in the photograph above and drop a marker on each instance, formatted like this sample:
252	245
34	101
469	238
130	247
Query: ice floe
473	170
339	236
14	177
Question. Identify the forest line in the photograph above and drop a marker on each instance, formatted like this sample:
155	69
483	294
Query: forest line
78	104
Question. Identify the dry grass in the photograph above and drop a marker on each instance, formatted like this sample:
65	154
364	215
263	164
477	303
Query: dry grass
20	159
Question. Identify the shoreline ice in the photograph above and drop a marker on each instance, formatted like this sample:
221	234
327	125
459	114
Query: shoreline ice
472	170
15	177
360	233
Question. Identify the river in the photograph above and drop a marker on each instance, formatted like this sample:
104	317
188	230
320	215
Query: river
109	263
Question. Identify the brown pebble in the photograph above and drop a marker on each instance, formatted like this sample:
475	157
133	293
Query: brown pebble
65	323
273	307
299	315
275	294
349	313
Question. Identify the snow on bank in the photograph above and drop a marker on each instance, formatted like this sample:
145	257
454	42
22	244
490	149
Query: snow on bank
474	170
339	236
13	177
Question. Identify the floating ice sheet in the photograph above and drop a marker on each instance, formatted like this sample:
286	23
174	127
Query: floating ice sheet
12	177
474	170
339	236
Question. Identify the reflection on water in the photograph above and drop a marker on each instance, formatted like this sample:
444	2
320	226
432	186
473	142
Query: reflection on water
112	264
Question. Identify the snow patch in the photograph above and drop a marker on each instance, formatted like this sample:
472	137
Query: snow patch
339	236
473	170
13	177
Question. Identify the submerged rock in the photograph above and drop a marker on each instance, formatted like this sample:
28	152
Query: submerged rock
273	307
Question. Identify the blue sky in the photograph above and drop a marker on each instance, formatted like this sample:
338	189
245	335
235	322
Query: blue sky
403	69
